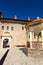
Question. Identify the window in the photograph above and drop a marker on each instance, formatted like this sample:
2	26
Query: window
7	27
22	28
2	27
12	28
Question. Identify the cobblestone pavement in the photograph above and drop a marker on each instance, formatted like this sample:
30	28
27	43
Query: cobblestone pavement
17	57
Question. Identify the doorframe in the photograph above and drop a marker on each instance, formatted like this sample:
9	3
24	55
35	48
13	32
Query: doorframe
4	37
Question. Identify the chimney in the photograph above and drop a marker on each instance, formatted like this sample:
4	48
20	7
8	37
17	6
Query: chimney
15	17
28	18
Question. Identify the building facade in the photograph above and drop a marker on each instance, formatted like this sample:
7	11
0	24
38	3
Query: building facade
35	33
12	32
21	33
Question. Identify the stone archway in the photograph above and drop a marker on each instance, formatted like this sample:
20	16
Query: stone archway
6	40
6	43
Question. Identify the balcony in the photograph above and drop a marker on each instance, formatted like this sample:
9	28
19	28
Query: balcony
37	45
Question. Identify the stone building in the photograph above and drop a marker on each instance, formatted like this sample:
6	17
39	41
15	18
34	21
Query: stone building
35	33
12	32
21	33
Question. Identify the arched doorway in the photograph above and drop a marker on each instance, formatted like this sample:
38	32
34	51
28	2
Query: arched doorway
6	43
6	40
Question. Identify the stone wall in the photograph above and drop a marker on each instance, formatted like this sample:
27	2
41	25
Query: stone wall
18	36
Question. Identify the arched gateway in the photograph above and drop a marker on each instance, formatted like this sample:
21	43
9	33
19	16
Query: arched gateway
6	40
6	43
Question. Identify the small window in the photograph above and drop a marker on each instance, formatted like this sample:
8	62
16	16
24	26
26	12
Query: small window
7	27
12	28
2	27
22	28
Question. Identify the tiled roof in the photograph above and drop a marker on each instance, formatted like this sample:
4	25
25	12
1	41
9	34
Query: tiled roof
14	19
36	21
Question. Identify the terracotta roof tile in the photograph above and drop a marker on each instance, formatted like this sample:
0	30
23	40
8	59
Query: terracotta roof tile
36	21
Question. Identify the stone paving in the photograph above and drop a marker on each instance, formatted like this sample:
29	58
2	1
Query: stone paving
17	57
2	52
36	57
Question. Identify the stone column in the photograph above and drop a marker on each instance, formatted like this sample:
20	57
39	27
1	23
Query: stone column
26	26
31	38
27	34
42	36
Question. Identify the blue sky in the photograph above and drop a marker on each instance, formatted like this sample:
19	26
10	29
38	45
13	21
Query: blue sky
22	8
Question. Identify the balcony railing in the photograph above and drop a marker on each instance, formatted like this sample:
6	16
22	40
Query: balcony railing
37	44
